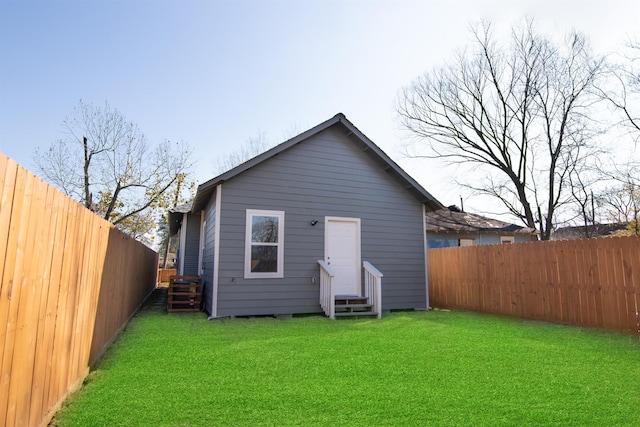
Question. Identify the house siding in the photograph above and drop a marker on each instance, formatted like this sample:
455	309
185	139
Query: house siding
448	240
191	251
208	255
325	175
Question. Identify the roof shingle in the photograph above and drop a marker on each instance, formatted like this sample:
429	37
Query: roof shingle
453	220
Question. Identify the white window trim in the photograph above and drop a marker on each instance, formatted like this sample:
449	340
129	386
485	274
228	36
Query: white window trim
248	274
425	257
216	251
470	241
507	239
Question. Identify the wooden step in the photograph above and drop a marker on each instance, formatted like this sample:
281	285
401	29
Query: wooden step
355	313
354	310
352	306
350	299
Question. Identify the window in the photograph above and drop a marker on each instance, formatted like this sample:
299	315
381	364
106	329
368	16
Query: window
467	242
264	244
507	239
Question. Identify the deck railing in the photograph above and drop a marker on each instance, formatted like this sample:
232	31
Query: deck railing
327	291
373	287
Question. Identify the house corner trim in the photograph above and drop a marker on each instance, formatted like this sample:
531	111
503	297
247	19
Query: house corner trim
216	258
426	259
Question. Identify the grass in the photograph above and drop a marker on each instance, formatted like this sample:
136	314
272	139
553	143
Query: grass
419	368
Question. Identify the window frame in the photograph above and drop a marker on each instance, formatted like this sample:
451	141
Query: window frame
471	241
248	244
507	239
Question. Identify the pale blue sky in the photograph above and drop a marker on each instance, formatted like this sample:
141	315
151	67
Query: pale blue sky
216	73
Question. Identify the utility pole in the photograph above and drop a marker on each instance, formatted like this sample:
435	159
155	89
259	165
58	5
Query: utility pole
87	160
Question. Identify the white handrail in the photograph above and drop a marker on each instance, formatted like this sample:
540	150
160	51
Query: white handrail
373	287
327	290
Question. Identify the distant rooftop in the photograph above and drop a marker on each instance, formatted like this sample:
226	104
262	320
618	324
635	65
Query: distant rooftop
580	232
452	219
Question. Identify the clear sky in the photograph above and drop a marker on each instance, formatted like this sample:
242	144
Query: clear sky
216	73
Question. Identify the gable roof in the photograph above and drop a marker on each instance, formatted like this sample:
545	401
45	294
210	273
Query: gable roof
206	190
452	220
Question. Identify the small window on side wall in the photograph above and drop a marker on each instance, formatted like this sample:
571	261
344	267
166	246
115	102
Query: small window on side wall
466	242
264	245
507	239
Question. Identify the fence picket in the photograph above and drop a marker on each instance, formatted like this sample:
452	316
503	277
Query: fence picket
60	205
11	296
612	285
26	327
628	288
46	251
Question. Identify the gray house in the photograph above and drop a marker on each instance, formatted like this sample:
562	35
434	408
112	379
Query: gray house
325	221
452	227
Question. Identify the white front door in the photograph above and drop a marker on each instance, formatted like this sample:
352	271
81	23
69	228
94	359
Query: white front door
342	253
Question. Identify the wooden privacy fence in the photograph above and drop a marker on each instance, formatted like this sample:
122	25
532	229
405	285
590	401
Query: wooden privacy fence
591	282
69	282
165	273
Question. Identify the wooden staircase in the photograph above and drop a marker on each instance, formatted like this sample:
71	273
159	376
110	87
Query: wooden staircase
353	305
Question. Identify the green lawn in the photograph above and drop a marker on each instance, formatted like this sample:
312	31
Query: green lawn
418	368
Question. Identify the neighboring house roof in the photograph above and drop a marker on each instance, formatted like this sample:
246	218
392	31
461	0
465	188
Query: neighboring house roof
452	220
579	232
175	216
206	190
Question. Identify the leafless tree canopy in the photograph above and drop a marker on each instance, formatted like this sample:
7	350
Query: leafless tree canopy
620	198
107	163
251	148
519	111
622	89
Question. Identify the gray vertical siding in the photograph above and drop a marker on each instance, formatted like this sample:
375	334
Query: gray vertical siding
447	240
192	244
326	175
208	255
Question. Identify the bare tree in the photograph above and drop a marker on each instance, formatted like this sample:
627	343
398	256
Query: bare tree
622	200
107	163
624	204
622	92
586	207
251	148
517	112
